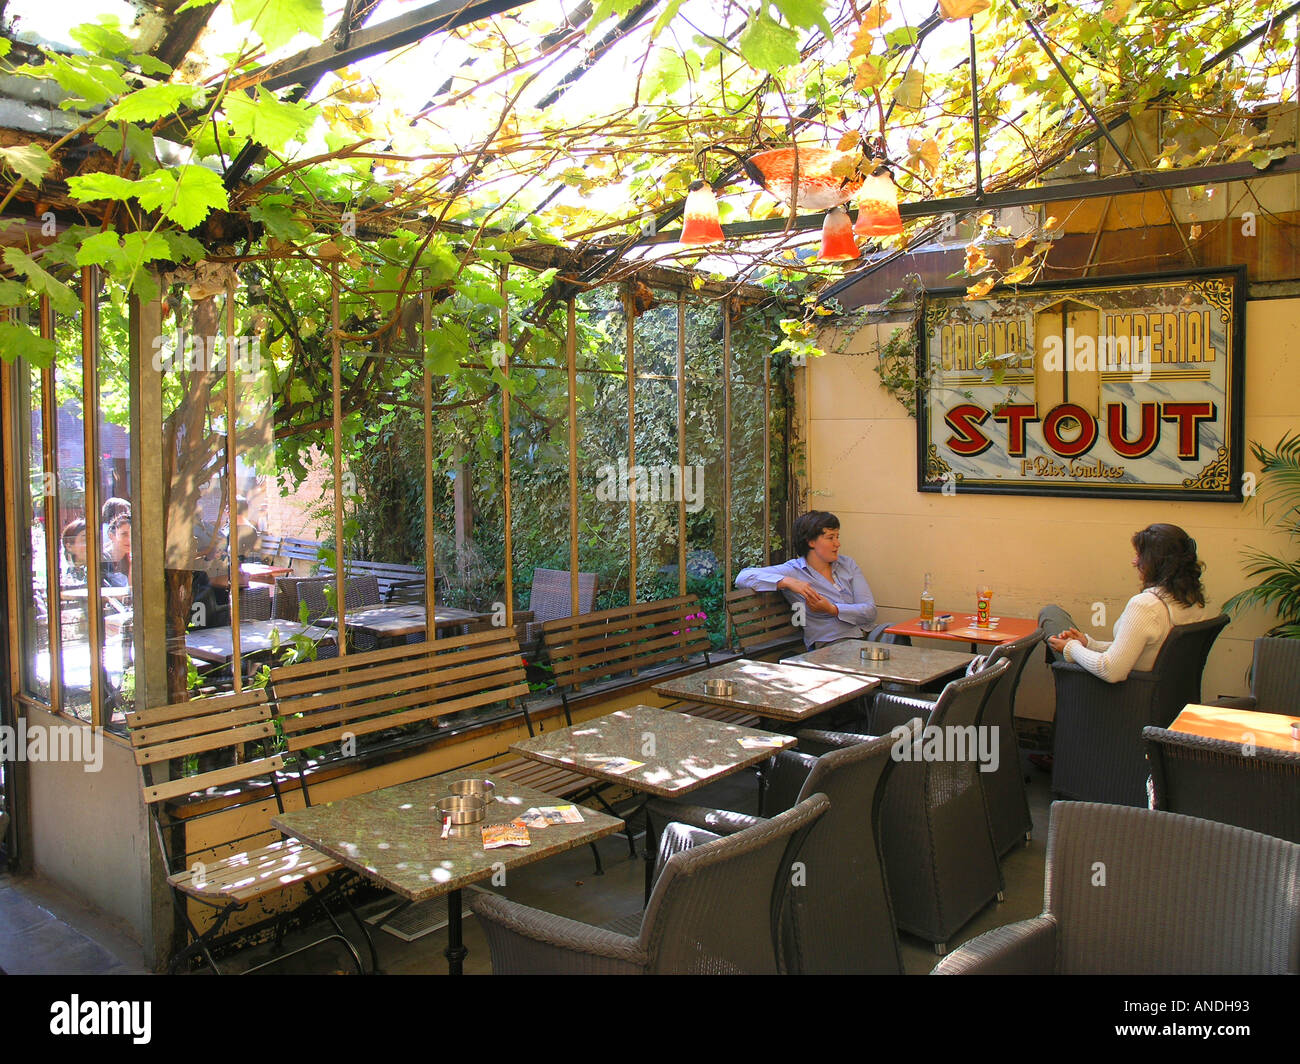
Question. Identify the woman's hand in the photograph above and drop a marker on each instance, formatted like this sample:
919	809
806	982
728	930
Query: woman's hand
1057	642
817	602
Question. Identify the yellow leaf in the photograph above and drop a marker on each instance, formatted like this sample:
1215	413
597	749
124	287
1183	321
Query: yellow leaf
986	218
976	260
862	42
1024	240
847	142
924	152
980	289
1116	10
1051	222
1018	273
875	17
1195	232
953	10
911	90
845	167
871	72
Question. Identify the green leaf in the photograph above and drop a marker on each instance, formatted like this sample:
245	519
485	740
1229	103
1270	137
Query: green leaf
102	186
5	45
19	341
185	199
151	65
148	105
184	248
189	4
807	13
87	80
665	17
276	213
903	37
29	161
767	45
278	21
41	283
266	120
1264	157
102	249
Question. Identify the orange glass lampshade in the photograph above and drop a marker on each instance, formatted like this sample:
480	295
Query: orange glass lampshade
819	188
837	237
878	207
700	223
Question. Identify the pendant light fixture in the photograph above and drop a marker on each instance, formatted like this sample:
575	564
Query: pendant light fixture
838	244
700	224
878	206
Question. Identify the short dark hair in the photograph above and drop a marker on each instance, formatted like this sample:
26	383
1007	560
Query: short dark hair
72	530
1167	559
112	508
809	526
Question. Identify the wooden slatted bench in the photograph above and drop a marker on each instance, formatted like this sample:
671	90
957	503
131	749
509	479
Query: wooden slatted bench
217	758
331	706
763	623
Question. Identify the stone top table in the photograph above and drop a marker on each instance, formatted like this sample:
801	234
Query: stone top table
393	836
395	621
1238	725
914	666
675	753
217	644
771	689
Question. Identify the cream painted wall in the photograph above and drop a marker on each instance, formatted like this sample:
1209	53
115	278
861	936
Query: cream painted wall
861	464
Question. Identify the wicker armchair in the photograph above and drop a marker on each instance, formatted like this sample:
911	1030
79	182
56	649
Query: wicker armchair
1182	896
1258	790
1274	678
940	861
549	600
714	909
1098	754
1004	789
840	921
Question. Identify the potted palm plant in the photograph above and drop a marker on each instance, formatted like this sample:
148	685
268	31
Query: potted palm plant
1276	579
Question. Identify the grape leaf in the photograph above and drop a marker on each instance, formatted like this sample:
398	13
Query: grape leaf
183	247
101	186
266	120
20	341
186	199
278	21
86	80
276	213
29	161
805	13
911	90
148	105
767	45
40	282
665	17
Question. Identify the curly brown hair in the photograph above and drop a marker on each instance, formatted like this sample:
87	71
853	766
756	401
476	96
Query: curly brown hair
1167	559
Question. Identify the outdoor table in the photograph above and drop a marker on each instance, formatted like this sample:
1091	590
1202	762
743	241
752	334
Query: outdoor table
910	666
400	620
662	753
108	592
778	690
963	629
217	644
250	573
393	836
1272	730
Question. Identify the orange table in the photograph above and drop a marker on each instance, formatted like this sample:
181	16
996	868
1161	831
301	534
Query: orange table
1238	726
962	629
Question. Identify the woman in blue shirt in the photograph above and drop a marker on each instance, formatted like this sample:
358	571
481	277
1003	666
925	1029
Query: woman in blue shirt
837	603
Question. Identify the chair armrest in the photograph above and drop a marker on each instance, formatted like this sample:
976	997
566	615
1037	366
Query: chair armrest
1024	948
717	821
889	711
786	774
528	941
816	741
1236	702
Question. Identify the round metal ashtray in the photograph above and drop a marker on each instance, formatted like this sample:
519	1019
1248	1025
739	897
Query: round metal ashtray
719	688
874	653
1295	729
461	809
939	624
477	788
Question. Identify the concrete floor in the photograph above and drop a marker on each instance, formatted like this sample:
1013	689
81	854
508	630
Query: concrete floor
43	930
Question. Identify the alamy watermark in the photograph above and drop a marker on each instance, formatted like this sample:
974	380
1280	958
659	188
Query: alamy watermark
620	482
211	354
951	742
74	743
1084	353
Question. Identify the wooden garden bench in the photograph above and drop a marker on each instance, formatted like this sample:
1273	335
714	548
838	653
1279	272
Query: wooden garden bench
762	622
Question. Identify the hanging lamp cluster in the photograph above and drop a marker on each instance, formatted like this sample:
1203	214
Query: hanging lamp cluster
812	178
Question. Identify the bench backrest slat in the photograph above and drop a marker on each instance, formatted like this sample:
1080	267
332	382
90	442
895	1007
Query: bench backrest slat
762	620
598	646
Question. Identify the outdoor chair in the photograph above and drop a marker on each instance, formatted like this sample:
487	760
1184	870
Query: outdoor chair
1004	789
840	921
1274	678
714	910
550	600
1257	789
940	862
221	782
1181	896
1098	754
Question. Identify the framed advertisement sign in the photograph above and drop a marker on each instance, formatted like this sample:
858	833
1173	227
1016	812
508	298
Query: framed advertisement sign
1127	387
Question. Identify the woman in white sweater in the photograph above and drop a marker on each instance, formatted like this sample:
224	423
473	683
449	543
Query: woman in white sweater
1165	558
